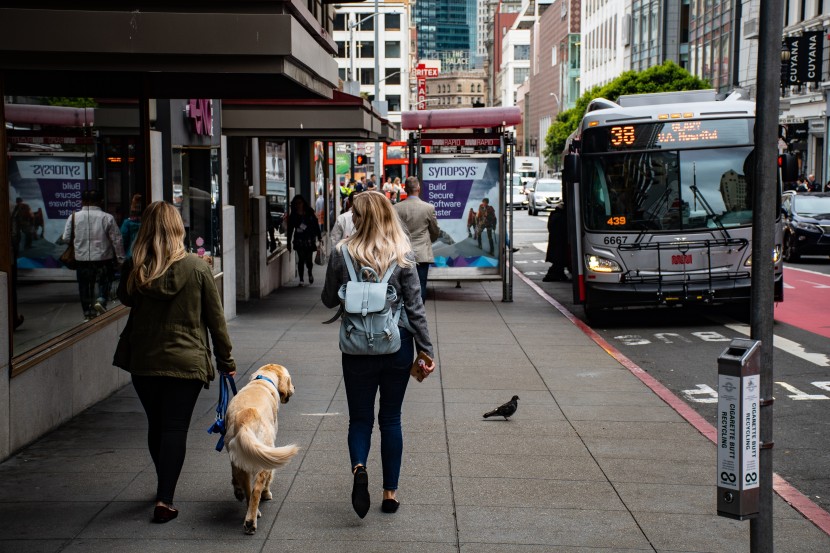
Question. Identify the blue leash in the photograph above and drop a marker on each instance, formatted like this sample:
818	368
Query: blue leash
218	427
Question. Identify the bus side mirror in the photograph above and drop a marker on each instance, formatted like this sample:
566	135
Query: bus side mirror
571	168
788	164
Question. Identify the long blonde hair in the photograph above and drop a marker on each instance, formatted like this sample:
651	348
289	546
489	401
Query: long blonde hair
379	236
159	244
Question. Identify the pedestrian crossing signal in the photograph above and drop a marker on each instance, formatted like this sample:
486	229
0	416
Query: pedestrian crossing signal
360	159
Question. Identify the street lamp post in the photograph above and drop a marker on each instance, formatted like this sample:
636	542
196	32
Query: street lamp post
352	26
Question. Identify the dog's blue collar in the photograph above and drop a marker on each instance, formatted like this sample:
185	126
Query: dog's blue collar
260	377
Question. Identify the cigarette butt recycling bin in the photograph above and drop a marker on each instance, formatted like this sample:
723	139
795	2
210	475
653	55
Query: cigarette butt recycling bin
739	384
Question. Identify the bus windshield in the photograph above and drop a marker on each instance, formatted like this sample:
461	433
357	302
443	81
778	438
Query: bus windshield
667	190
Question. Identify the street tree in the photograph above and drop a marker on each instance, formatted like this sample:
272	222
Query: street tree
667	77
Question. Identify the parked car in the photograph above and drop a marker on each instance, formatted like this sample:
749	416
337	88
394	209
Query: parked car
806	224
544	195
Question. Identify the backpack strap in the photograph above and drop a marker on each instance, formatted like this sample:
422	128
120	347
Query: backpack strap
389	271
349	264
350	267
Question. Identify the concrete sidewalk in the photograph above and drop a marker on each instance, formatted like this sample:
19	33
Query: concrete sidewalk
592	461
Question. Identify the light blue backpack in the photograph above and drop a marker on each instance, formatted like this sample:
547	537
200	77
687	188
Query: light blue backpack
370	312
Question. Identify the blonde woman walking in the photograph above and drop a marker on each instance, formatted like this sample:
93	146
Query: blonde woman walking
174	306
379	240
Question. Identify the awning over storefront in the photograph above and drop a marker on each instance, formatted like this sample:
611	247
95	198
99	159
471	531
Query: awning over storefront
270	49
343	118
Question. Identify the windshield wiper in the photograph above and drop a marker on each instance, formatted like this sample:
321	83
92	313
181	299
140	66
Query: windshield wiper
708	208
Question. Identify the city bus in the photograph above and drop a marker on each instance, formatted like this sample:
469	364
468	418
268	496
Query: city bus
658	191
395	161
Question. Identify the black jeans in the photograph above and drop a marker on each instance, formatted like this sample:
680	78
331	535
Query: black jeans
90	274
169	404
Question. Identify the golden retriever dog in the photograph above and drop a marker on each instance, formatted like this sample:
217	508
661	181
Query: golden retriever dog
251	432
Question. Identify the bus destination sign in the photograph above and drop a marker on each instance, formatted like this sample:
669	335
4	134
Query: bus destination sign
670	135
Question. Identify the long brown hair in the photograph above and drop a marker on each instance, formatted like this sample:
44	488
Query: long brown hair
159	244
379	236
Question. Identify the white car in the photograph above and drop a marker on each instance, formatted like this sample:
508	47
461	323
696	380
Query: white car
544	195
519	194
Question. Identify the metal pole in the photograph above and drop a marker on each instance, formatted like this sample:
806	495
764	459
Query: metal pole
378	166
510	158
351	50
377	64
764	203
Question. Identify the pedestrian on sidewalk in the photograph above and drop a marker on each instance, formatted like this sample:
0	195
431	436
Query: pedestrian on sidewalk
557	254
379	239
174	305
303	235
419	219
99	248
130	226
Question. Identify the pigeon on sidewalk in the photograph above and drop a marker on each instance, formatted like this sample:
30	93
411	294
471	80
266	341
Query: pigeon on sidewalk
506	410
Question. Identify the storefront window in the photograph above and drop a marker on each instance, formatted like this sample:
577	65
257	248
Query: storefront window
59	148
276	193
196	190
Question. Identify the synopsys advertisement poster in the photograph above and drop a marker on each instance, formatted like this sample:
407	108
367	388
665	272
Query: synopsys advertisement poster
465	193
44	191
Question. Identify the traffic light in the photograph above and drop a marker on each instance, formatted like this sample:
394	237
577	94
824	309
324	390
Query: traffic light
360	159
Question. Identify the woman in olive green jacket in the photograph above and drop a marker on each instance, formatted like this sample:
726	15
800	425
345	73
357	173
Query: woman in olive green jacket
174	306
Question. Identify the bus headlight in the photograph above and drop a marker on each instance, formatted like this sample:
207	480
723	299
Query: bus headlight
599	264
776	256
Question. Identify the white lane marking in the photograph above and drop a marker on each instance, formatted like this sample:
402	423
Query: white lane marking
822	385
798	394
709	336
664	337
807	271
632	340
541	246
791	347
711	396
816	284
790	286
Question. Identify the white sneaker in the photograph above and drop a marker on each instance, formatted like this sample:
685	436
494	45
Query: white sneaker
99	308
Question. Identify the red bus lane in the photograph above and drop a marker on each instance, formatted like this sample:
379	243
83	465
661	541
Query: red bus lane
806	302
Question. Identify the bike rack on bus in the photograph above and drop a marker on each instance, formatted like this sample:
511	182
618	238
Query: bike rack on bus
684	278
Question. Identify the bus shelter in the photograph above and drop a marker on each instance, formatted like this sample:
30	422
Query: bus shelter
464	158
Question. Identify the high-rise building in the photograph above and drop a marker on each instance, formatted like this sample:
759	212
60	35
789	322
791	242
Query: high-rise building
655	31
354	33
447	31
603	54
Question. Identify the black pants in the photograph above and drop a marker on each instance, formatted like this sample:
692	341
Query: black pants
92	274
305	258
169	404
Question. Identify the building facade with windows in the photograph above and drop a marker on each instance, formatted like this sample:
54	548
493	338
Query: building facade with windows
655	31
804	107
603	54
515	64
462	89
354	34
447	31
553	85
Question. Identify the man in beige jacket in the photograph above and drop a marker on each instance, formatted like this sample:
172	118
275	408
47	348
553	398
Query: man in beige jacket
419	219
